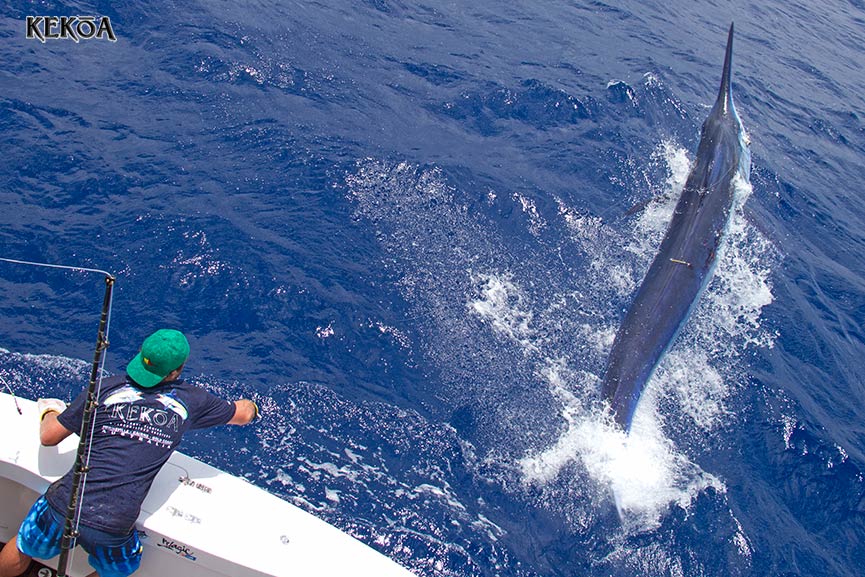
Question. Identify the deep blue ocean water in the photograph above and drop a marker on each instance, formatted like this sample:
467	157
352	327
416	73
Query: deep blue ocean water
405	229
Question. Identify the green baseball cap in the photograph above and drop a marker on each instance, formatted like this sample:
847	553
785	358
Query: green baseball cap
162	352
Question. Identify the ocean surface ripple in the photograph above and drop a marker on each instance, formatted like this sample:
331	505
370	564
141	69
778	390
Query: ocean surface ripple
410	231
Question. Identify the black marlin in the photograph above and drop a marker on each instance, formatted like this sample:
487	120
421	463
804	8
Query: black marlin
687	256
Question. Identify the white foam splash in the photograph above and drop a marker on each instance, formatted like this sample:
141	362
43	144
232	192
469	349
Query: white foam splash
324	332
652	222
501	303
699	389
562	334
62	367
644	470
200	261
742	542
536	221
741	286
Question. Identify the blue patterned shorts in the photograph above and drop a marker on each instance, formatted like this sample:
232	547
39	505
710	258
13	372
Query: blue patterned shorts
111	555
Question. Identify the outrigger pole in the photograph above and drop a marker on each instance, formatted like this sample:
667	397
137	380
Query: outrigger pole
82	458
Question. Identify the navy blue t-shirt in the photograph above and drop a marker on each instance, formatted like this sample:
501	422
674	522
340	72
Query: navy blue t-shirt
134	433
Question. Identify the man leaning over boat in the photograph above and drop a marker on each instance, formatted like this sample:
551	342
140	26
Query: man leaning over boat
140	419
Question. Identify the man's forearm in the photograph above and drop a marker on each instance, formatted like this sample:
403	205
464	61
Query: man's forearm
51	432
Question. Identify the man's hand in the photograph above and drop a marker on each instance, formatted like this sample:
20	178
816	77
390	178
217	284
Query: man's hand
46	406
245	411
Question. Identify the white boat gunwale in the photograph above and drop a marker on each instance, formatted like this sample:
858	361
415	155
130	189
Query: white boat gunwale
197	520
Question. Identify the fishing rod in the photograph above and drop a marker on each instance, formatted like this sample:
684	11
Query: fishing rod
82	457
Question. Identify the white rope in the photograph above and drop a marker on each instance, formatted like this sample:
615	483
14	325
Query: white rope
60	266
